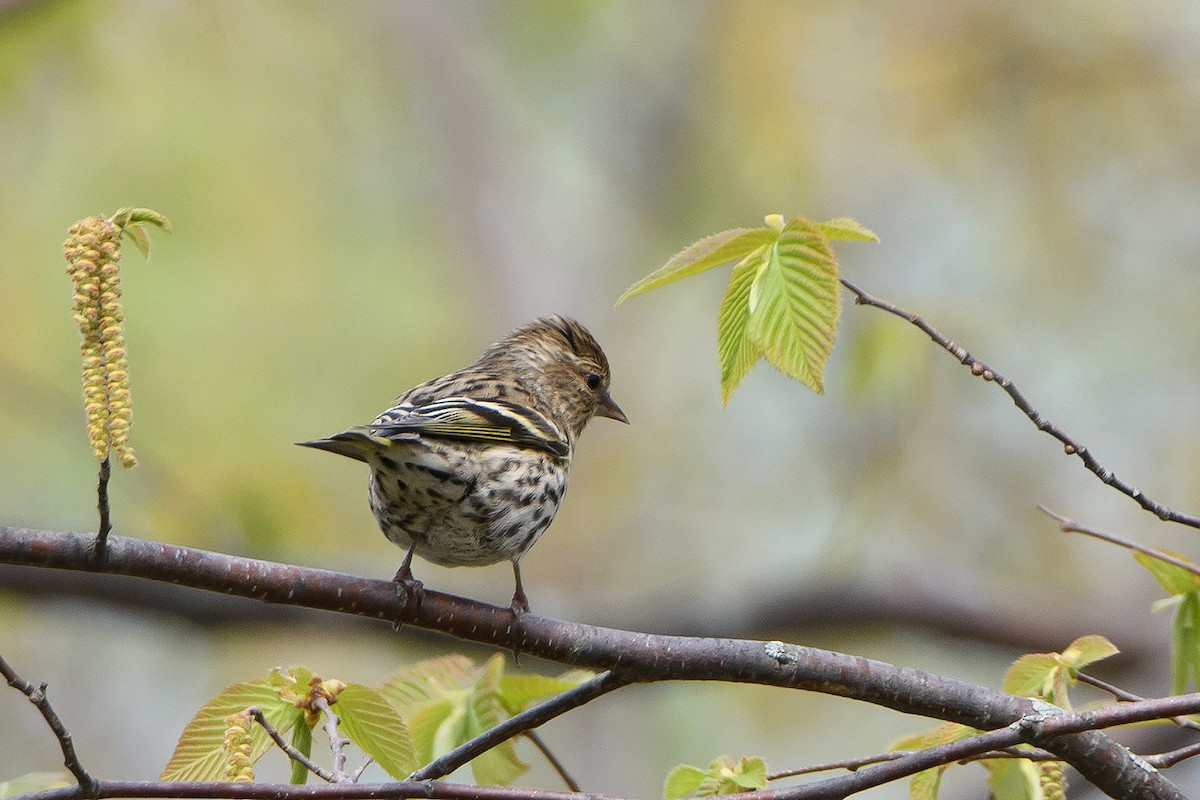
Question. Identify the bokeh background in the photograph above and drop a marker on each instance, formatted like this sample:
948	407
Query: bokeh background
366	194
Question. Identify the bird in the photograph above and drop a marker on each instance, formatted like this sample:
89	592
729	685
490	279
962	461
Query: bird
469	469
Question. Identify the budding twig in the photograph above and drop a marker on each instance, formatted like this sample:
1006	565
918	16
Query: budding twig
88	785
1067	525
1070	446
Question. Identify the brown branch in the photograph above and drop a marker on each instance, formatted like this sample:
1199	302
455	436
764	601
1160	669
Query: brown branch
517	724
37	696
1067	525
287	747
100	544
637	657
1070	445
546	752
1130	697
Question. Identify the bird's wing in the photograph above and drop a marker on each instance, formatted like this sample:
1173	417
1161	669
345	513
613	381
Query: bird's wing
473	420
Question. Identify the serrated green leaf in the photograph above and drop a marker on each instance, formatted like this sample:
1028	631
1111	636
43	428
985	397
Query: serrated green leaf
795	302
432	728
413	687
302	741
846	228
1175	579
1013	779
371	722
1087	650
1032	675
199	756
683	781
711	251
737	354
520	692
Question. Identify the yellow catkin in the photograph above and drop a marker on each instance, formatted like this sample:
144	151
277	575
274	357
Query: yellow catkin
93	255
1053	780
237	746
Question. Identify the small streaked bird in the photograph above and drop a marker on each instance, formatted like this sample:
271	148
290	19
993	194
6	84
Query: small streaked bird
469	469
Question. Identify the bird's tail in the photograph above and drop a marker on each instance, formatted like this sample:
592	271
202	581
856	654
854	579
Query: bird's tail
356	443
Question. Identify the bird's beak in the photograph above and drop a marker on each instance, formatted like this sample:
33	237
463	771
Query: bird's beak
610	409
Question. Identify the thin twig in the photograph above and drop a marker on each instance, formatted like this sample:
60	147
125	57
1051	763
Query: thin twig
855	764
287	747
553	759
337	742
1172	757
1130	697
100	546
519	723
1070	446
358	773
1068	525
37	695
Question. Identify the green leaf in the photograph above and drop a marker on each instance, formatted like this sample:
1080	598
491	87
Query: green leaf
140	238
1173	578
1032	675
750	773
500	765
1185	651
199	756
795	302
413	687
371	722
302	741
682	781
736	352
448	701
846	228
1013	779
925	784
709	252
520	692
32	782
1087	650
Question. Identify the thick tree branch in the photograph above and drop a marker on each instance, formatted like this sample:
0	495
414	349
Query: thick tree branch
1070	446
637	657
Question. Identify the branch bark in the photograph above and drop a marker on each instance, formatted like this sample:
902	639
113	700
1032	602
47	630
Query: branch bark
634	657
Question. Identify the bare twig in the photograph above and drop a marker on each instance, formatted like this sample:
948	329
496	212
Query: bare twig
1067	525
855	764
286	746
337	742
37	696
358	773
100	545
519	723
1130	697
1173	757
1070	446
553	759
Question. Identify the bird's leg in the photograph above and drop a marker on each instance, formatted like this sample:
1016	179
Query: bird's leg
520	603
408	589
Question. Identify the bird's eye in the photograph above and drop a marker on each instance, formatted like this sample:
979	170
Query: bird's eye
593	381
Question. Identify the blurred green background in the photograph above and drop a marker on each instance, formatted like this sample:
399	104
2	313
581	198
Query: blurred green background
366	194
